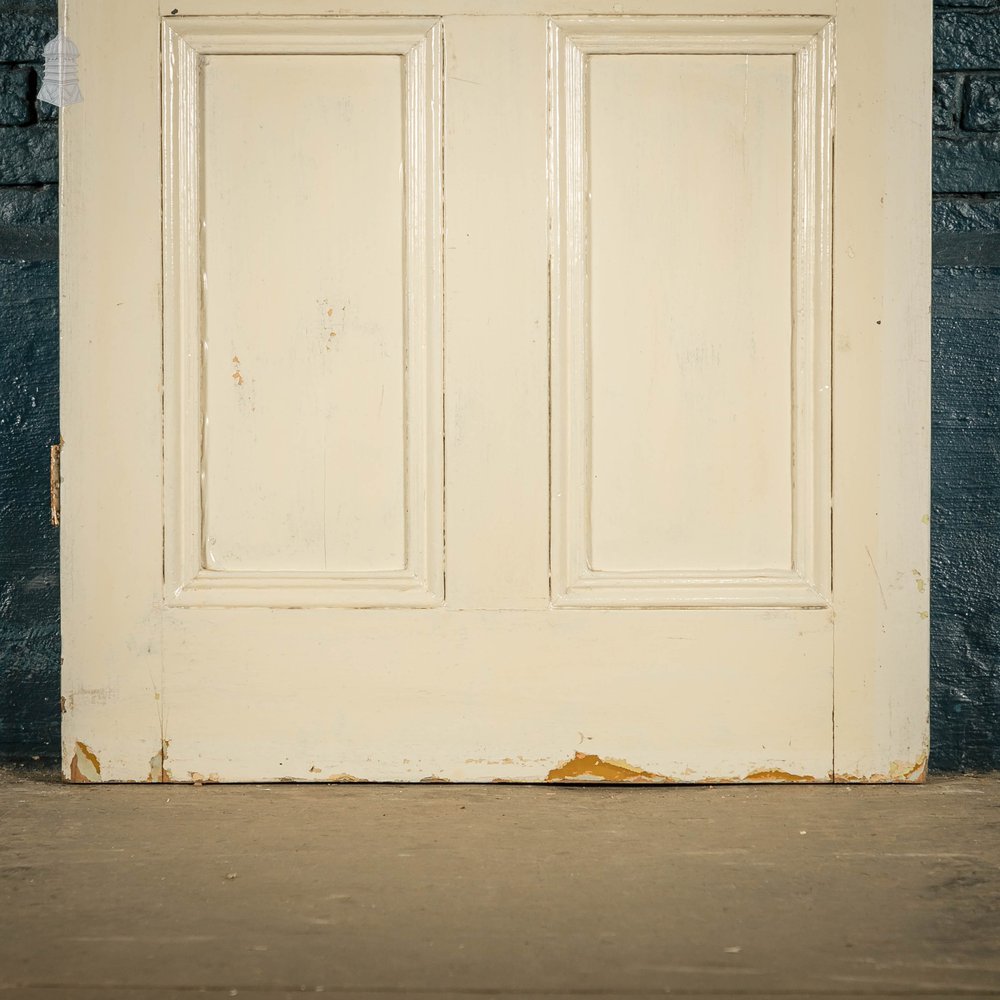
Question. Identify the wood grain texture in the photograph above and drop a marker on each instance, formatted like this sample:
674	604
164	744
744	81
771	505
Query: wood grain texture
456	892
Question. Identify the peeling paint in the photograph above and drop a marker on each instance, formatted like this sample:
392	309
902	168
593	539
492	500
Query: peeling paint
916	774
433	779
158	773
590	767
156	768
200	779
775	775
55	484
770	777
344	779
84	768
900	773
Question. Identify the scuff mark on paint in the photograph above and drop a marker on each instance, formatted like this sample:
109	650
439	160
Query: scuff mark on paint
505	761
919	580
84	768
878	579
590	767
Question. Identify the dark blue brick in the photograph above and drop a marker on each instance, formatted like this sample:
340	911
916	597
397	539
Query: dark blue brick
966	40
981	107
967	164
29	206
24	30
945	102
44	112
16	99
962	293
967	215
29	155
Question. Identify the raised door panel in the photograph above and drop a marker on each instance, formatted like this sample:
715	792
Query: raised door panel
303	343
691	312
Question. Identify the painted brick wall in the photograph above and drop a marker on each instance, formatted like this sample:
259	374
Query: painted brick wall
965	619
29	389
965	536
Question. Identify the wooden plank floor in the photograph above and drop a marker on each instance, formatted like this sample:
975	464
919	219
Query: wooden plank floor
496	891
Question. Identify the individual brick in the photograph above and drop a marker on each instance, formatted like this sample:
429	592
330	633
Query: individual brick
15	95
30	206
44	112
981	107
945	111
967	164
25	28
966	40
29	155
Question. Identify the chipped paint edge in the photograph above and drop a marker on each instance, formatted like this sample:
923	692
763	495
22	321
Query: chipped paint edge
594	769
580	769
84	766
900	773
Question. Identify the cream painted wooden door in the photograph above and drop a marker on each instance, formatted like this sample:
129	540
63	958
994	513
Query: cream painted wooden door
496	392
